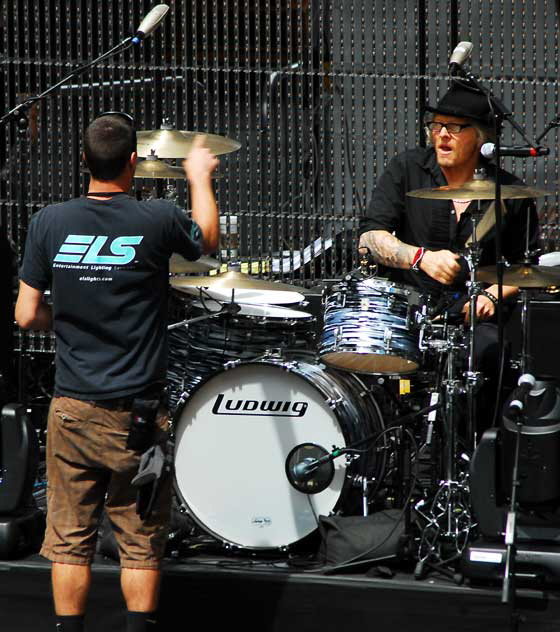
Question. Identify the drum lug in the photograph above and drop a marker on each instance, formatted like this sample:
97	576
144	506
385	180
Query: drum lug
334	403
231	364
387	336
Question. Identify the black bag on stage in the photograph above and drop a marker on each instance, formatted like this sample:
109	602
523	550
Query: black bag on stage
374	538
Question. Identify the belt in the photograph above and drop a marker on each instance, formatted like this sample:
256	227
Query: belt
125	403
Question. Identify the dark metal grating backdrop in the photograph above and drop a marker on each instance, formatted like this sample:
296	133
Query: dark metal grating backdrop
320	93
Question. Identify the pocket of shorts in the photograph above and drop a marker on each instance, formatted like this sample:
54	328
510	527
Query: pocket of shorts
66	415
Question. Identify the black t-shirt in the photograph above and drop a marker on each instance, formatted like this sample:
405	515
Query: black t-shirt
433	223
107	262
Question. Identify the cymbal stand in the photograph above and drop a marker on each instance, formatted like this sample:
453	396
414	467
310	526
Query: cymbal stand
473	377
447	516
228	309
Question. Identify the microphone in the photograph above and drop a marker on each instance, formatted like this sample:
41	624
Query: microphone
309	467
150	22
488	150
524	386
459	56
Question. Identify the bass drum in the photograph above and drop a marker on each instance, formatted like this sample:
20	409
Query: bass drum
238	428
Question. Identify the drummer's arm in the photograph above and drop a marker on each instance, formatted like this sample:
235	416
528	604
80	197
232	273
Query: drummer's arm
198	166
441	265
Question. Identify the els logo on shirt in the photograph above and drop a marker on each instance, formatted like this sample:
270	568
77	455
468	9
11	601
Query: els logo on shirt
86	249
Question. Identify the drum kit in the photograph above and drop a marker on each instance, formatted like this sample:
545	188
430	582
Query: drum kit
265	405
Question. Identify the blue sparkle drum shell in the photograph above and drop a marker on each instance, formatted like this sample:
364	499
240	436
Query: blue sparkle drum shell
369	327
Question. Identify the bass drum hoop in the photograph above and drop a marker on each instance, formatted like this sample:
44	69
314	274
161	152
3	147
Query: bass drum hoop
323	378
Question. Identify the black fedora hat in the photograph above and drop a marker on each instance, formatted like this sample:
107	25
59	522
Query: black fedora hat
465	102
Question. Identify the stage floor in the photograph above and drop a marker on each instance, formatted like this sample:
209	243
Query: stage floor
212	593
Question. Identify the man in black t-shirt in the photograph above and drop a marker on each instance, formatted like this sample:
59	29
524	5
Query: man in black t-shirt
105	257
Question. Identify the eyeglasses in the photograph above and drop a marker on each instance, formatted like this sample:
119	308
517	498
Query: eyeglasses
453	128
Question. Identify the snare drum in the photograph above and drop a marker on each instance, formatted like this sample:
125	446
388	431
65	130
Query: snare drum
368	327
238	428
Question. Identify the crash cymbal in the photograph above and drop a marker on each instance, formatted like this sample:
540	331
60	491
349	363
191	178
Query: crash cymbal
479	190
171	143
180	265
523	275
233	280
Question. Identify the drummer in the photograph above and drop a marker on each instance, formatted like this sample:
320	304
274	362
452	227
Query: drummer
419	240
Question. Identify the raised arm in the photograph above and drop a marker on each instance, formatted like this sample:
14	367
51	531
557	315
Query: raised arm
198	166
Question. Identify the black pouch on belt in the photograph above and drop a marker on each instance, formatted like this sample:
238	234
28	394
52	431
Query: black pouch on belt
143	424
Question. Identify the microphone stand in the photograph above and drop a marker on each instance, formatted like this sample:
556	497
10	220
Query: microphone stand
500	113
508	581
18	116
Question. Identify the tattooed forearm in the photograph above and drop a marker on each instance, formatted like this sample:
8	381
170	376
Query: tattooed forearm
387	249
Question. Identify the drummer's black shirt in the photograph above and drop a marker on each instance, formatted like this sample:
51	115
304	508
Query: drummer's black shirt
107	262
433	224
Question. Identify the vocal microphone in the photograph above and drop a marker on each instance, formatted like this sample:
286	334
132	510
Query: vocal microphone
488	150
150	22
459	56
525	385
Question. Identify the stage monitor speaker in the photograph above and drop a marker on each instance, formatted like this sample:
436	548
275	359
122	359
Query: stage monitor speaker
544	336
19	458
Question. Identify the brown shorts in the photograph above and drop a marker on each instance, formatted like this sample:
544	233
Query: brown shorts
88	468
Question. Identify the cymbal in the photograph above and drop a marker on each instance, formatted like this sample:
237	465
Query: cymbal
479	190
233	280
180	265
171	143
152	167
522	275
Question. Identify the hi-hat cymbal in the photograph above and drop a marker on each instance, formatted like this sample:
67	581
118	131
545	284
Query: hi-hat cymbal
233	280
479	190
522	275
171	143
152	167
180	265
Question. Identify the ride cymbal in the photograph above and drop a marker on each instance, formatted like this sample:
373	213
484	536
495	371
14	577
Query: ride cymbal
171	143
522	275
479	190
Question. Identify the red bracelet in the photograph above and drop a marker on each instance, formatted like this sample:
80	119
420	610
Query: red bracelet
419	255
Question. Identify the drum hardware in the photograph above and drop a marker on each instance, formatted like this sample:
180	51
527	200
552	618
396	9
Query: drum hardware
448	518
170	143
226	309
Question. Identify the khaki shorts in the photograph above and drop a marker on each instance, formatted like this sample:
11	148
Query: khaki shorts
88	468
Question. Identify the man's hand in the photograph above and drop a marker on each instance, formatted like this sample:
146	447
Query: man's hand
201	162
441	265
485	309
